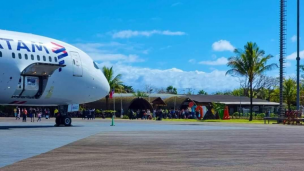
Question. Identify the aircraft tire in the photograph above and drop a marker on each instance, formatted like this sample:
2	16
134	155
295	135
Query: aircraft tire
67	121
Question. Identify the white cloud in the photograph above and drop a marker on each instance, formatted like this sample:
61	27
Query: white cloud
133	33
294	55
294	38
102	52
161	78
222	45
219	61
287	64
192	61
176	4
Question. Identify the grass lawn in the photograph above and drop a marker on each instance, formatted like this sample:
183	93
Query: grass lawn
243	121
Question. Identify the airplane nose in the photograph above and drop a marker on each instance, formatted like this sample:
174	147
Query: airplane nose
104	85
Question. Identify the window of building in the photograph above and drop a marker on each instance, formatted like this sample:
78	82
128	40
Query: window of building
25	56
0	54
13	55
44	58
95	65
55	59
32	57
38	58
19	55
50	59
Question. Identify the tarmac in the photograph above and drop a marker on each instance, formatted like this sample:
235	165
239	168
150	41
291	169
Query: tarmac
149	145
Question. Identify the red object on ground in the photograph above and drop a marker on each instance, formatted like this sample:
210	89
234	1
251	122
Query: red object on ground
226	113
201	110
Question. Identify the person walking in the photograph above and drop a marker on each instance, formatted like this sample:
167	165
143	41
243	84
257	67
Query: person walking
39	116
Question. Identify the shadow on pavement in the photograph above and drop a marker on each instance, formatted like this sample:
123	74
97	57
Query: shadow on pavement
29	126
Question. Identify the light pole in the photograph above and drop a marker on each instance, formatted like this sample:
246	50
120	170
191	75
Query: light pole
240	98
298	55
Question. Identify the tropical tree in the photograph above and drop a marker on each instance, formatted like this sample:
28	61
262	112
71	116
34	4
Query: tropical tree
250	63
202	92
127	89
289	91
172	90
238	92
140	94
114	81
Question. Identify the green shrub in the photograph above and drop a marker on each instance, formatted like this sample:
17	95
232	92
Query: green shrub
235	114
261	116
98	111
273	115
125	117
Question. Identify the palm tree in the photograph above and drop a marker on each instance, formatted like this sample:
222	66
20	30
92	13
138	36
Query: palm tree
171	89
114	81
250	63
202	92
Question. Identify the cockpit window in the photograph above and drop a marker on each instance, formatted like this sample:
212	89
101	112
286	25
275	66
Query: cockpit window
95	65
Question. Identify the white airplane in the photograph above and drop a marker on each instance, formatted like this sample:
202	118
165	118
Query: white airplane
40	71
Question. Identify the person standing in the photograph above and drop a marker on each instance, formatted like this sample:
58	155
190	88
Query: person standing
15	112
18	113
31	114
56	112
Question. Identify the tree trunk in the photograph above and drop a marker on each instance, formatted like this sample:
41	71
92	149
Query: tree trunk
251	94
107	102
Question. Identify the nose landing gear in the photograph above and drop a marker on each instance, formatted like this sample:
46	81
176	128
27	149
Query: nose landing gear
62	118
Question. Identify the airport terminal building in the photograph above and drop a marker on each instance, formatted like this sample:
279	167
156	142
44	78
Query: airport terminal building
170	101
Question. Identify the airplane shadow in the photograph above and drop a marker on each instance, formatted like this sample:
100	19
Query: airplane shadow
29	126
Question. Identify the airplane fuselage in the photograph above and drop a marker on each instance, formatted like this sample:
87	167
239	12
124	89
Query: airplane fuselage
36	70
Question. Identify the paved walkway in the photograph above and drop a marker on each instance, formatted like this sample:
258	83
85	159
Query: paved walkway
20	140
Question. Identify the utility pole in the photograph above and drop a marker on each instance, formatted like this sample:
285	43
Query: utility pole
298	54
282	51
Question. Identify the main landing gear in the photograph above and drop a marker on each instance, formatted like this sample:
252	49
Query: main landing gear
62	118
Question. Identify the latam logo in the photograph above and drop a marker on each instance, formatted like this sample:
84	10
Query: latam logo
60	50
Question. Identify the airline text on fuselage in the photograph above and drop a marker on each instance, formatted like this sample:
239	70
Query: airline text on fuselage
22	46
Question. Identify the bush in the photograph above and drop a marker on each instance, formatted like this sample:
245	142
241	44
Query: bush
261	116
273	115
235	114
125	117
97	111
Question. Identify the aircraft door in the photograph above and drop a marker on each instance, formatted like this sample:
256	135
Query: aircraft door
77	65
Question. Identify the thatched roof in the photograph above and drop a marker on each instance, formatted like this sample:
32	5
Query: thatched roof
177	101
125	101
140	103
158	102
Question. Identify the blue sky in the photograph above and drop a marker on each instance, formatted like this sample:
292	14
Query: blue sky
159	43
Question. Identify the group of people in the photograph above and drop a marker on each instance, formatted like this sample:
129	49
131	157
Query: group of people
88	114
163	114
31	112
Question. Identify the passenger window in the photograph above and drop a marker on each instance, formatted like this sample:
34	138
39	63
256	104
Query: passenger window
44	58
95	65
38	57
32	57
55	59
25	56
19	55
13	55
0	54
50	59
